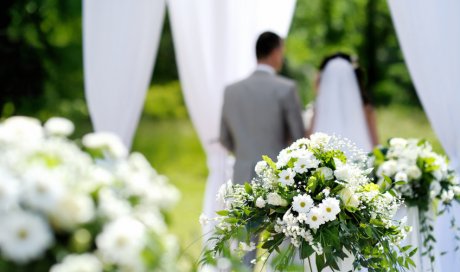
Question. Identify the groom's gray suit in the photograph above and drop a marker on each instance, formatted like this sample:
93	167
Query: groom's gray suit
260	116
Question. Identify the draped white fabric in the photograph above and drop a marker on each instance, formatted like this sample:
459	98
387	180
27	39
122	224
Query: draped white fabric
214	42
429	34
120	38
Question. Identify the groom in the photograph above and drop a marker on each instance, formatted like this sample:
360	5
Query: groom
261	114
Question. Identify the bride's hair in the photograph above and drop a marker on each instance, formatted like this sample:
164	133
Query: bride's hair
359	72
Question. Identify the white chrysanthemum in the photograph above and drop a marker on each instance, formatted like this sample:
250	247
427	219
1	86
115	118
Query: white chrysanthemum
9	190
283	158
73	210
59	126
275	199
79	263
106	141
301	143
330	207
111	206
121	241
21	130
302	203
319	139
260	167
260	202
327	173
42	190
24	236
314	218
286	177
303	164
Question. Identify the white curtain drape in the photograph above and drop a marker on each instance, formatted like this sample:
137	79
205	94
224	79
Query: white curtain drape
120	41
215	44
429	34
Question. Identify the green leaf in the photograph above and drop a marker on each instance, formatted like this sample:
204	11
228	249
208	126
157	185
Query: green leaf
248	188
320	262
222	213
270	162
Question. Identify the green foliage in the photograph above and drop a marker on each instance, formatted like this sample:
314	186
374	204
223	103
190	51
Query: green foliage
165	102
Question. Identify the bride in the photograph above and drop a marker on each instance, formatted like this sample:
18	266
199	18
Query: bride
341	106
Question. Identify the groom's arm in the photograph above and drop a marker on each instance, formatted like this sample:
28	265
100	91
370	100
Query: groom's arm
293	114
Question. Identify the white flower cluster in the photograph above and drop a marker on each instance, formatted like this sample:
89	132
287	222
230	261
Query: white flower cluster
49	185
407	161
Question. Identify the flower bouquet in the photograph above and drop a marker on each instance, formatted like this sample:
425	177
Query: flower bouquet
321	202
422	178
69	208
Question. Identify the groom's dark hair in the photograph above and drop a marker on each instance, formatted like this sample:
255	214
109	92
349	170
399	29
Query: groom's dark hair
266	43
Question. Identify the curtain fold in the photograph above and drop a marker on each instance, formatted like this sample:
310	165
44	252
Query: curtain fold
429	35
215	46
120	42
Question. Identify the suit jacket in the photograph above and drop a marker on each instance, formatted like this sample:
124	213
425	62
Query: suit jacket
260	116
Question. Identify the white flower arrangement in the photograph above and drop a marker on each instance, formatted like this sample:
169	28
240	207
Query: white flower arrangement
66	207
421	177
320	201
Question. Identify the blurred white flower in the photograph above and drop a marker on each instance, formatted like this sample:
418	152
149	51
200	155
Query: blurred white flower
247	247
21	130
224	264
413	172
286	177
111	206
398	142
24	236
388	168
9	190
79	263
204	220
121	241
260	202
401	176
303	164
302	203
59	126
73	210
447	196
42	190
106	141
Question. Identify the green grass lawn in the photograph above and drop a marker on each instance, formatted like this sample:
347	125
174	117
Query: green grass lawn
173	148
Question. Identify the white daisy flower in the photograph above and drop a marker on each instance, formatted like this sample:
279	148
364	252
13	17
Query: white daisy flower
286	177
330	207
304	163
283	158
59	126
9	190
314	218
121	241
73	210
24	236
319	139
302	203
42	189
79	263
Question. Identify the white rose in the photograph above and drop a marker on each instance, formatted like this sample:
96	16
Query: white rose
414	172
401	176
327	173
275	199
349	198
260	202
389	168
